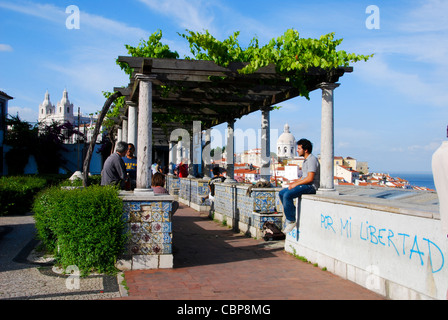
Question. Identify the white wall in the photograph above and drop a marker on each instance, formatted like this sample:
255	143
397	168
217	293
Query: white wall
399	255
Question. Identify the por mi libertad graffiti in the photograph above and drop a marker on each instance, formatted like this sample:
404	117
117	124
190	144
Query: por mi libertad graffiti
417	248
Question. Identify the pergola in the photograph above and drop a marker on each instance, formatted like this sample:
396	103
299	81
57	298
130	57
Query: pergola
168	94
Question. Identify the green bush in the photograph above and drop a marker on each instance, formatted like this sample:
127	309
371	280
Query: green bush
91	180
17	193
83	226
46	208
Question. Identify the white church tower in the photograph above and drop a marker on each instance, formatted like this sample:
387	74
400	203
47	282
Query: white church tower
64	110
286	144
46	109
61	113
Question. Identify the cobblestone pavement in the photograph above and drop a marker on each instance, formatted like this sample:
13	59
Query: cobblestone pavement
27	276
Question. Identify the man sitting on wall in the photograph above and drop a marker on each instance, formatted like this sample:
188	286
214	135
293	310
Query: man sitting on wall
308	184
217	177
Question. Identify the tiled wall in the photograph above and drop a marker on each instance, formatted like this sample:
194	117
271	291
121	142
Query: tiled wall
233	202
173	185
248	210
190	191
150	231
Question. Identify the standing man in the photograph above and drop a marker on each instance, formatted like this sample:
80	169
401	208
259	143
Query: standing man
183	169
130	162
114	170
308	184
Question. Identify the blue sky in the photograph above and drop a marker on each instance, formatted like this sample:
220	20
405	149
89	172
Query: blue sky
391	111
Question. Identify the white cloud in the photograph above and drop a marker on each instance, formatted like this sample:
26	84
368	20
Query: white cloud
195	15
25	114
408	83
5	48
88	66
56	14
430	147
429	17
410	57
43	11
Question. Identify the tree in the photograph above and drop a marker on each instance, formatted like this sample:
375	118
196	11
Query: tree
96	131
44	142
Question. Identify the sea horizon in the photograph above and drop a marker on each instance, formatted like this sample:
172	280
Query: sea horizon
416	179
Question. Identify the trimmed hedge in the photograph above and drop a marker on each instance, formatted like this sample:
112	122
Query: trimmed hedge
82	227
17	193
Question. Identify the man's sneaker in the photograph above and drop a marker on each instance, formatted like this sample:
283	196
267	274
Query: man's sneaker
289	226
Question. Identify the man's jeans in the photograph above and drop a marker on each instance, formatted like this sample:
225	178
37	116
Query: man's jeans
287	198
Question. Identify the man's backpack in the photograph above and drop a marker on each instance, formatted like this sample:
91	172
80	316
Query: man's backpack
272	232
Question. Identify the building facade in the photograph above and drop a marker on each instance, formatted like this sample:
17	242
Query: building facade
63	112
4	98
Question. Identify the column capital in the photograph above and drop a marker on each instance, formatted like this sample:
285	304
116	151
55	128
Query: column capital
231	121
131	103
267	108
328	85
144	77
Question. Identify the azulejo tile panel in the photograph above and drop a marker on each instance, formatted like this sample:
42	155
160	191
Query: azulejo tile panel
264	202
149	227
195	191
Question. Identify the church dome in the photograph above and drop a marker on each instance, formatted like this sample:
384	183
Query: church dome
286	144
286	137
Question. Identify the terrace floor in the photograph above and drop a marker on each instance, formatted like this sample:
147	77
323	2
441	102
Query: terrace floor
212	262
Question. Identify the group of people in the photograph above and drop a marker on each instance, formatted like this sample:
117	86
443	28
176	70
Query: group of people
120	169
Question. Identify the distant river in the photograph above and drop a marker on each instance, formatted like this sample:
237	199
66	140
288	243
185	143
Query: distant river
416	179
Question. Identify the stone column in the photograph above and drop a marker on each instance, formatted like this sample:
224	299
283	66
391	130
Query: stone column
327	138
191	157
172	157
119	134
265	170
206	159
132	124
124	131
230	152
179	152
144	136
197	148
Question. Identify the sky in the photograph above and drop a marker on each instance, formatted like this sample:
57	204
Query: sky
390	111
